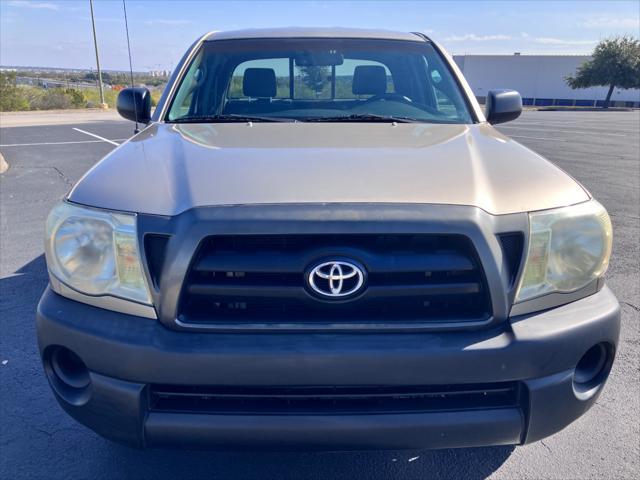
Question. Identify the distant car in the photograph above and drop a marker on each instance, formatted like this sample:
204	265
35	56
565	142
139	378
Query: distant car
319	241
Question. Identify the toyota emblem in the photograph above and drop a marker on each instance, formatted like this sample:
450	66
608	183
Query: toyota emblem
336	279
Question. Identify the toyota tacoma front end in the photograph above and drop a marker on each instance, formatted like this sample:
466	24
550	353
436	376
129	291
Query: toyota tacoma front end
319	241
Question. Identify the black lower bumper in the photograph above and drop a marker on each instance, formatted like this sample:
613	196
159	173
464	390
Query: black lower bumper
129	357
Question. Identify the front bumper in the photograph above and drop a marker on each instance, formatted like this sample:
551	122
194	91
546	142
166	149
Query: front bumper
127	355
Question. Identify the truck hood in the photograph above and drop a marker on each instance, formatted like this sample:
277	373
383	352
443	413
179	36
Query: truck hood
170	168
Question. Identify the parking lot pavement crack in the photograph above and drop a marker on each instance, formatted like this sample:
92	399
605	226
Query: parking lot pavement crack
60	173
546	446
7	441
51	433
63	176
633	217
635	307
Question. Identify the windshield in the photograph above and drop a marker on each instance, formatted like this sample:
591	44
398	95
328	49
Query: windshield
318	80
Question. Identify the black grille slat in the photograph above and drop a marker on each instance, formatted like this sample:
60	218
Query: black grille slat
425	290
259	278
334	400
299	292
334	395
402	262
246	291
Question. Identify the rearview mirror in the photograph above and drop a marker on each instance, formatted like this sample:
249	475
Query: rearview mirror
319	59
135	104
503	106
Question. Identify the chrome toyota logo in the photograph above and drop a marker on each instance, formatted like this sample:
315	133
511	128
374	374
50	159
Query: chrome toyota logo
336	279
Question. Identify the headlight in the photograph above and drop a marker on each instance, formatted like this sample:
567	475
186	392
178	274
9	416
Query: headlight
568	249
95	252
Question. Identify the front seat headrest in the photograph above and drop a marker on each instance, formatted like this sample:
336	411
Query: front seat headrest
259	83
369	80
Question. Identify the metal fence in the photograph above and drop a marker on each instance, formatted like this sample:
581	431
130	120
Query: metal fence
56	83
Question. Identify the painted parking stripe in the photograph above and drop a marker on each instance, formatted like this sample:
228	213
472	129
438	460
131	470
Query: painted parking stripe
552	139
596	126
96	136
61	143
579	132
538	138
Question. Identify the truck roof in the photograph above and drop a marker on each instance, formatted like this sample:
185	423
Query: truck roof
313	32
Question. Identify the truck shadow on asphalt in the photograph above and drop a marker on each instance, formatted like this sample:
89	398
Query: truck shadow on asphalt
468	463
50	444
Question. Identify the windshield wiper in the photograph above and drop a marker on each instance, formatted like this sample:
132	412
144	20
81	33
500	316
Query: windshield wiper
360	117
228	118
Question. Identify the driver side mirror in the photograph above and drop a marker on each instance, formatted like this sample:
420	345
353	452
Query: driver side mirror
503	106
135	104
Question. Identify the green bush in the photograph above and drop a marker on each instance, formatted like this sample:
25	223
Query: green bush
52	100
77	97
26	97
23	97
93	98
155	97
10	95
57	98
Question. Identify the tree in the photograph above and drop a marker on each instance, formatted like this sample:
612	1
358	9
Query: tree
315	77
615	62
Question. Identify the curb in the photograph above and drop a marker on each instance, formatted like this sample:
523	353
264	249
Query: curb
4	166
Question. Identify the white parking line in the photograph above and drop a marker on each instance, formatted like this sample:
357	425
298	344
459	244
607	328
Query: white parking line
96	136
578	132
61	143
594	126
538	138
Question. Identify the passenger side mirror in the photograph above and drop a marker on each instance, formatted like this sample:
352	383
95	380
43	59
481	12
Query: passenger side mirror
135	104
503	106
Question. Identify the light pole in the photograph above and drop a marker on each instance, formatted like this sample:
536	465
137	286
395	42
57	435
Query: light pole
95	43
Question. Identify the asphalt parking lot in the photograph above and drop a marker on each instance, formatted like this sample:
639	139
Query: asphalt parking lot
38	440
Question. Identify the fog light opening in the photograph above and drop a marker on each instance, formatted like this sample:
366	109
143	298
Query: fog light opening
593	368
69	368
68	374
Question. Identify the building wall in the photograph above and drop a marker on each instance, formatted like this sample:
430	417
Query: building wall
538	78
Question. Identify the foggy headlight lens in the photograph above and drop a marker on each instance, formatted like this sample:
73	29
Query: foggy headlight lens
568	248
95	252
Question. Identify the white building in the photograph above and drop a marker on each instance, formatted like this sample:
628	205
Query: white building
538	78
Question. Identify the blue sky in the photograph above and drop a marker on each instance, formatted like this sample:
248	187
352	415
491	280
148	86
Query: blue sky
58	32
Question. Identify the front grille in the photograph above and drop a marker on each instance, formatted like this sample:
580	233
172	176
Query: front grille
261	279
334	400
